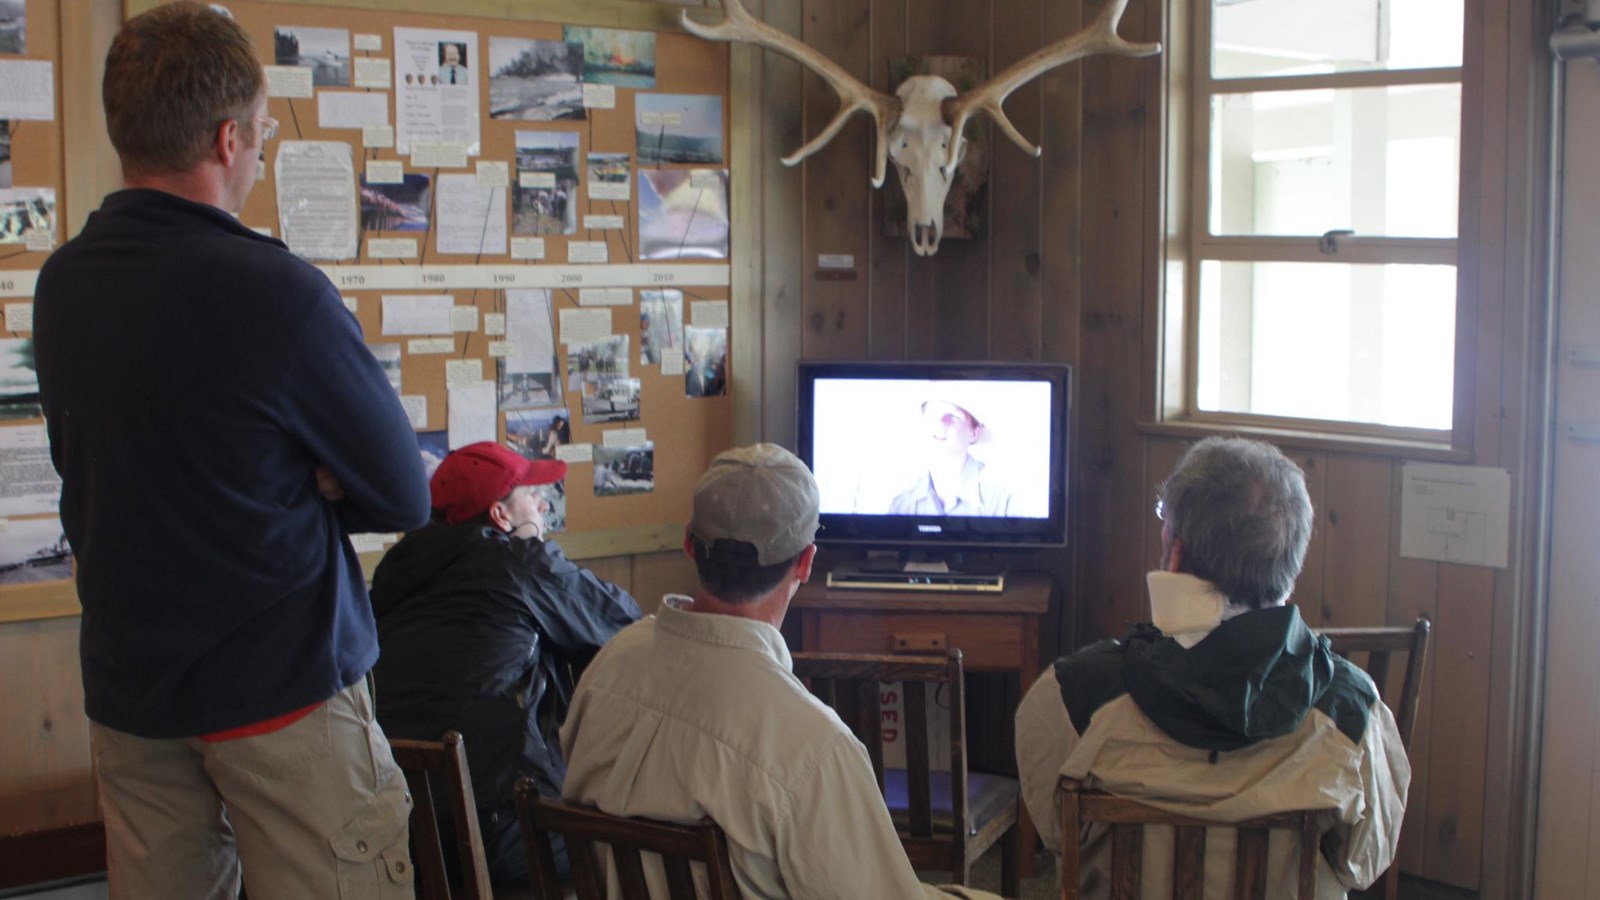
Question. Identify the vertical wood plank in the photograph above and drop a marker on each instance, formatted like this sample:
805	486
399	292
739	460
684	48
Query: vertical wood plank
1060	134
1117	95
655	575
1463	639
1414	591
1308	588
957	276
46	776
837	182
1356	518
782	273
889	257
1015	183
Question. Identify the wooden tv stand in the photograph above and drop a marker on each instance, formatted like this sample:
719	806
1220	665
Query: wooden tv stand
995	632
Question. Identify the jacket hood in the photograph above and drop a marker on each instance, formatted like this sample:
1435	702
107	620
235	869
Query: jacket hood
417	560
1254	677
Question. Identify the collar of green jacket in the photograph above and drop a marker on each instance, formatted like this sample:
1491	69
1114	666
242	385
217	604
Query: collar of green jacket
1254	677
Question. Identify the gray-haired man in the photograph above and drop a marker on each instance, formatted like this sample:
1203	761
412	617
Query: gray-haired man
1229	707
695	712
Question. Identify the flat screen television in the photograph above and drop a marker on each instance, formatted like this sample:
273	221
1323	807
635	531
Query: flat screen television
930	456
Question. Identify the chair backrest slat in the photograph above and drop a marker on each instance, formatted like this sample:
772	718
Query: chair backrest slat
587	876
918	790
1127	857
1188	862
442	765
680	878
1081	806
1380	644
630	871
584	829
1250	875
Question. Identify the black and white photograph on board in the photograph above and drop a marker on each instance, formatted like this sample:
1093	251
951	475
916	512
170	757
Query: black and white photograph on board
325	51
678	128
539	81
624	470
590	361
610	400
34	550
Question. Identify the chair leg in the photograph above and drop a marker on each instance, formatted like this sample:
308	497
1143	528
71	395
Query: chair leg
1010	859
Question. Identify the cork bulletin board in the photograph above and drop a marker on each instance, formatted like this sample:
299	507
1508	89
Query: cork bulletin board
571	166
35	565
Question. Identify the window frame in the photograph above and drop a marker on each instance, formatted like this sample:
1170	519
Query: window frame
1189	242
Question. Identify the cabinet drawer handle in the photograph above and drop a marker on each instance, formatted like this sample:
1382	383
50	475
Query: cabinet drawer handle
918	643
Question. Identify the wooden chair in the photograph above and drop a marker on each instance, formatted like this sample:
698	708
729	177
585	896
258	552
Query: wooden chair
946	820
443	764
1375	646
1082	806
584	828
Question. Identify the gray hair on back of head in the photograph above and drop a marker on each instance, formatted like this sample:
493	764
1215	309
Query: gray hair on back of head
1241	511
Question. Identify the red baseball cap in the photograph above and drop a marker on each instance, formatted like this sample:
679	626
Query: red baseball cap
472	478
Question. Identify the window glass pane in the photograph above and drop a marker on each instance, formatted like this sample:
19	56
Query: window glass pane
1358	343
1254	38
1378	161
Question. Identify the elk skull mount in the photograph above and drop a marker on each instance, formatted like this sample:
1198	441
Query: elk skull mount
920	127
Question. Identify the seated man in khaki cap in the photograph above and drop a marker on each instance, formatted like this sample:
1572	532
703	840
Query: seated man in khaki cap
695	711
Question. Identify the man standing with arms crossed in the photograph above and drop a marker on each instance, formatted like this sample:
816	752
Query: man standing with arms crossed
220	427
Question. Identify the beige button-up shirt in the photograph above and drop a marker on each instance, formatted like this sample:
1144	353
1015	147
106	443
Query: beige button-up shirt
685	715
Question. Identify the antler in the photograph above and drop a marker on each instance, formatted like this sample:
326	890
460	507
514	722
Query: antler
1101	37
854	97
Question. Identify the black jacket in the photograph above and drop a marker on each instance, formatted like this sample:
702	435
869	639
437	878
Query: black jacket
480	632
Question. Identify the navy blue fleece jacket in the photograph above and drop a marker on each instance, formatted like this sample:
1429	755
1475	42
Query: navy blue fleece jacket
193	374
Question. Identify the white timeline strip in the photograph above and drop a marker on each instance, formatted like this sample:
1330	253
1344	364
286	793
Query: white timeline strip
367	278
20	282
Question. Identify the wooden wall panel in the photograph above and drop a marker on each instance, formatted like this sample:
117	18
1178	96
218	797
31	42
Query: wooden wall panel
783	272
1453	843
889	259
1015	285
1355	522
657	574
1308	588
1116	94
1414	591
836	186
958	274
46	780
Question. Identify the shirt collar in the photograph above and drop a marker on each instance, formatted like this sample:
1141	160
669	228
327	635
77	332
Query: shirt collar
676	618
967	493
1186	608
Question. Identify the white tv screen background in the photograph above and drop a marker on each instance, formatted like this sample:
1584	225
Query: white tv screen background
870	440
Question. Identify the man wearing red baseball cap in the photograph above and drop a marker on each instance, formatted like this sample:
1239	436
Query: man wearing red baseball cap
480	622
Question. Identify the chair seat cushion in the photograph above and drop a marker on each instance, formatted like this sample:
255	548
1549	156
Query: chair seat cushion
987	796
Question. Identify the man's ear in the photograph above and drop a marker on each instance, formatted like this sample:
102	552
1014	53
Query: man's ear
1174	560
228	142
500	515
802	563
688	542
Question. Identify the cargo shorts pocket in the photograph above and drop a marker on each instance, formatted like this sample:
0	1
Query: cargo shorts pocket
373	852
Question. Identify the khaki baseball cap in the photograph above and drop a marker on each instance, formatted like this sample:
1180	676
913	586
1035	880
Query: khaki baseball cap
761	495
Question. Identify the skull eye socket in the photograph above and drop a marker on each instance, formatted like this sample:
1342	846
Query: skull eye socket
905	172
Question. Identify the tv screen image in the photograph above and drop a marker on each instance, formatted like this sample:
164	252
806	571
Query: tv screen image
925	453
